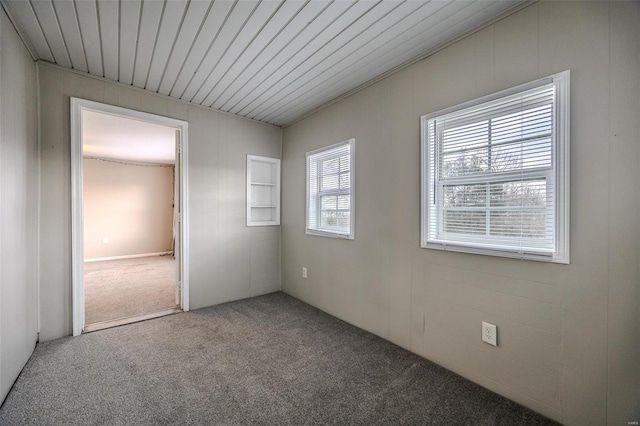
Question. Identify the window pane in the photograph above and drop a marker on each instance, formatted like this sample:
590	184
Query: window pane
345	163
313	176
520	193
344	219
493	174
521	155
518	223
330	182
328	218
531	123
465	222
328	202
465	163
345	180
343	202
330	166
465	195
474	135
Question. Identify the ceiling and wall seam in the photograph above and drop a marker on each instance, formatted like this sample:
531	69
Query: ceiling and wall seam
26	44
173	44
135	55
149	92
64	41
417	59
155	42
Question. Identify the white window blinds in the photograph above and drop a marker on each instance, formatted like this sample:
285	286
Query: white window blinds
330	190
492	174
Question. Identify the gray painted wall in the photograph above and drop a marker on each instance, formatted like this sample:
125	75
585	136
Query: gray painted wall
568	333
228	260
18	206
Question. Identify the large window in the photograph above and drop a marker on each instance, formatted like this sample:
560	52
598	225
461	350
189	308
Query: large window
496	174
330	192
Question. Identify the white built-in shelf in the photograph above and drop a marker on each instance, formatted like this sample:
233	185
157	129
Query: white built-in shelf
263	191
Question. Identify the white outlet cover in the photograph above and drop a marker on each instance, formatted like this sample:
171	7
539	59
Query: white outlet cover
304	272
489	333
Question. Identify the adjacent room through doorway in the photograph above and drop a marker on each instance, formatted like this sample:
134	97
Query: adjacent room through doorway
129	195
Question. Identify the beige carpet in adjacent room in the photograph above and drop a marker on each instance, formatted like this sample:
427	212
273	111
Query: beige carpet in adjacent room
115	289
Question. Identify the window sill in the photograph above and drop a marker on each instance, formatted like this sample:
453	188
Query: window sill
541	257
319	233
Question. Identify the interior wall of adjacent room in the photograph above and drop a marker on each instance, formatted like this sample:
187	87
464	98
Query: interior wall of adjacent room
18	205
568	334
131	205
227	260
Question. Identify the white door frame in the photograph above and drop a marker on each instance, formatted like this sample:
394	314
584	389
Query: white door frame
77	222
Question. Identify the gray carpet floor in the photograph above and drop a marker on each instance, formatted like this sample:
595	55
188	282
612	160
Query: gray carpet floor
269	360
123	288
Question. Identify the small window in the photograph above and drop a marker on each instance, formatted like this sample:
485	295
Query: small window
496	174
330	192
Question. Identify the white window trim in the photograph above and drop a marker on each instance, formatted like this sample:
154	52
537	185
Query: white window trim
561	160
331	233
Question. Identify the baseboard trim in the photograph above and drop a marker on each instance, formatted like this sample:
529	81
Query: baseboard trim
127	256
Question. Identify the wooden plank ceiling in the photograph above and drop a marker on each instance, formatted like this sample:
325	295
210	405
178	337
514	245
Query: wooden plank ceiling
271	60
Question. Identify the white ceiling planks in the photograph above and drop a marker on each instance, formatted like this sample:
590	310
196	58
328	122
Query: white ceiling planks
368	25
262	14
412	39
273	29
172	19
109	17
320	32
211	27
242	11
65	11
374	58
24	17
45	15
193	22
281	16
271	60
147	30
130	12
372	55
239	78
90	30
340	50
373	64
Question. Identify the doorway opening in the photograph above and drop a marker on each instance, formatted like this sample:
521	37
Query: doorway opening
129	221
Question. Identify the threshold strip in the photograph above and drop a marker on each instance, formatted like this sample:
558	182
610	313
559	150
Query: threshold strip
128	320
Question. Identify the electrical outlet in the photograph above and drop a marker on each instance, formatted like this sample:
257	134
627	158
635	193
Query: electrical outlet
105	240
489	333
304	272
